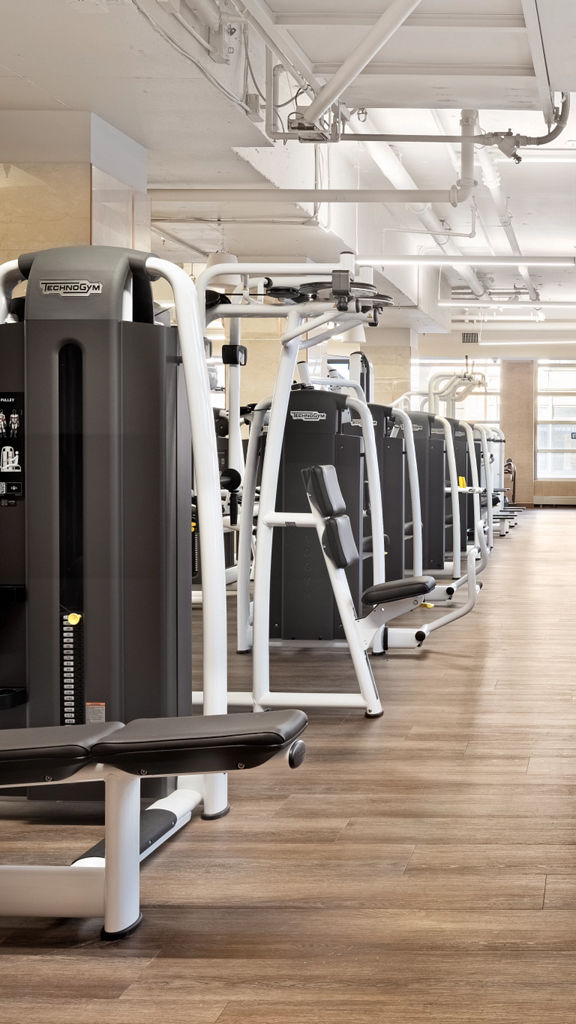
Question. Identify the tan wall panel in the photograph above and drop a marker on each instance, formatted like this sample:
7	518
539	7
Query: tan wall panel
43	206
518	400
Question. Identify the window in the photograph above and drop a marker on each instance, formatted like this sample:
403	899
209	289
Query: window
479	407
556	421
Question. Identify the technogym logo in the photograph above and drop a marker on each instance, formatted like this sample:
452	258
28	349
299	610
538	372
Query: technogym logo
308	415
72	287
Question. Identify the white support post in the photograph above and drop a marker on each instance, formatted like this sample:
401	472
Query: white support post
476	489
122	870
244	636
488	480
414	485
235	447
374	487
207	474
267	504
30	890
10	275
454	496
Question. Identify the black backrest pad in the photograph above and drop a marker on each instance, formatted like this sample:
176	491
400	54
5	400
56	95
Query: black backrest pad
321	482
196	743
338	542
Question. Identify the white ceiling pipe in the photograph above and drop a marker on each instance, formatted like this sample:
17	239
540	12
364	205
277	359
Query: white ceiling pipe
471	260
492	181
455	195
303	195
392	19
206	11
391	166
509	307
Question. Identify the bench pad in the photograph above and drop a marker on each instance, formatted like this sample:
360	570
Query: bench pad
198	743
44	754
397	590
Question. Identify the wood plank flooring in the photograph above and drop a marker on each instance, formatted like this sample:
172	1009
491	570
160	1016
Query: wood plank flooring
418	868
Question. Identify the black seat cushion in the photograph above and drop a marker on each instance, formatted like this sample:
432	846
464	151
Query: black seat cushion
321	482
198	743
396	590
29	756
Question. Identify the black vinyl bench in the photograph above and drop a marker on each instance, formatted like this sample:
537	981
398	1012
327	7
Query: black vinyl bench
120	755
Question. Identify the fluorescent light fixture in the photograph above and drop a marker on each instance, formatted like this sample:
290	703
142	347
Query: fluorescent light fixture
492	344
510	306
467	261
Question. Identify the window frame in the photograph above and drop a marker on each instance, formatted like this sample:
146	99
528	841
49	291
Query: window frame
567	393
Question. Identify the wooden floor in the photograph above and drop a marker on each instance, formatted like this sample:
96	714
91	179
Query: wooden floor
418	868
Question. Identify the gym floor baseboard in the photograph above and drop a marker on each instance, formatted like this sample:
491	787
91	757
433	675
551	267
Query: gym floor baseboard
420	867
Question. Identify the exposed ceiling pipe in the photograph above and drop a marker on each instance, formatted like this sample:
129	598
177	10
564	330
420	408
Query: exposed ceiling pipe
508	142
455	195
392	19
304	195
207	12
471	260
492	181
392	167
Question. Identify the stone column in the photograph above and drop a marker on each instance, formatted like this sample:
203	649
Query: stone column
517	415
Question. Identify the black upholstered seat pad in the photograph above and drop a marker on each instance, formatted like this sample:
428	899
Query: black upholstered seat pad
53	740
200	743
54	752
396	590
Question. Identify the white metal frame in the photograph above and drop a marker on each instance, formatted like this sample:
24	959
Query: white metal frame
322	320
372	633
107	888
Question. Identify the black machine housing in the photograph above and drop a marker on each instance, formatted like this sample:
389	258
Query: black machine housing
95	549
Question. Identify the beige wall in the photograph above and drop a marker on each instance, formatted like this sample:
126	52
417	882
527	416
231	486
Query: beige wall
389	351
43	205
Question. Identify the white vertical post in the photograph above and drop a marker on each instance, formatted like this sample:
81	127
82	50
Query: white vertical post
414	485
478	527
122	870
235	447
489	486
9	277
374	488
268	489
244	640
209	507
454	495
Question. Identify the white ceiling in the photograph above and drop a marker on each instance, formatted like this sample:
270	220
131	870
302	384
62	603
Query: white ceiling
113	57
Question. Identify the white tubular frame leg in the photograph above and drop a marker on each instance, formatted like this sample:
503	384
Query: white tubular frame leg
454	496
267	504
235	447
460	610
478	525
414	485
9	277
209	507
349	617
122	872
489	485
244	635
34	890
